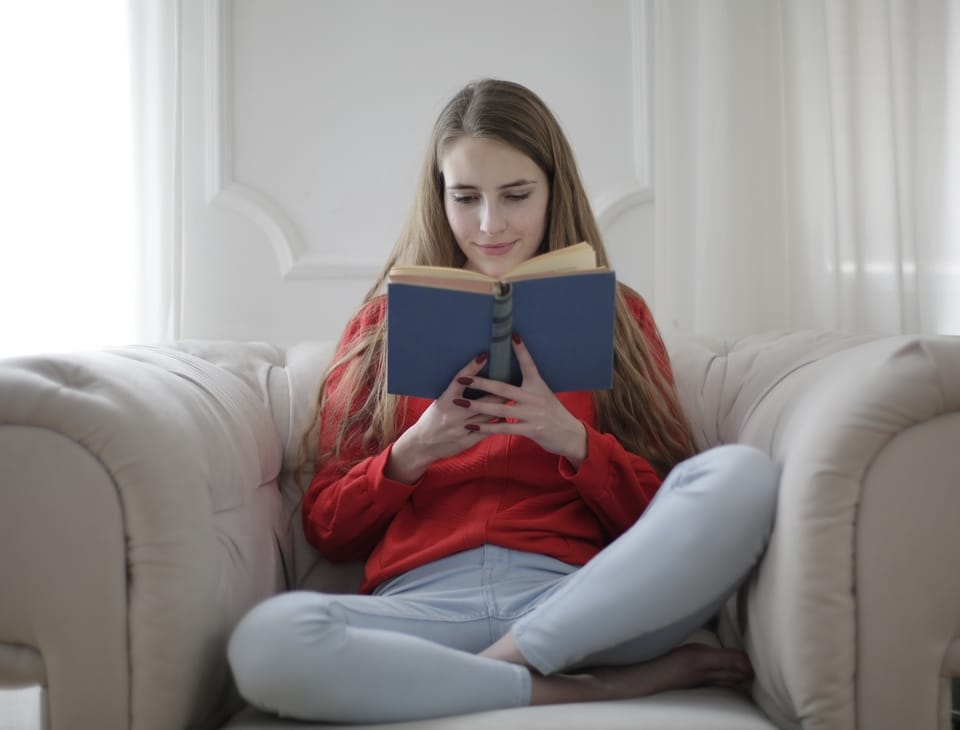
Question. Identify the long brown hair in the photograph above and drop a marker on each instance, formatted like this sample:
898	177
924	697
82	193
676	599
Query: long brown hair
642	409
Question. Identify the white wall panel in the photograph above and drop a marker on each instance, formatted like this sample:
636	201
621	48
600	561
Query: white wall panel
305	123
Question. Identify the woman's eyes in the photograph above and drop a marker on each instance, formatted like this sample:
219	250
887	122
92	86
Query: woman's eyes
512	197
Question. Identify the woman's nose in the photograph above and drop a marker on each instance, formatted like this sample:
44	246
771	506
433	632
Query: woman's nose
492	219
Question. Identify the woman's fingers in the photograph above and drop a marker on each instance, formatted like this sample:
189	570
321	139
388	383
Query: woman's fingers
528	368
531	410
463	378
496	390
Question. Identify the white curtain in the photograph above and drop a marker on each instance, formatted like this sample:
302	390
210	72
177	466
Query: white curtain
67	244
90	231
807	165
155	29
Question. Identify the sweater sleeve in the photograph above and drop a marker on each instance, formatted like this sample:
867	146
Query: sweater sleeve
350	501
616	484
345	515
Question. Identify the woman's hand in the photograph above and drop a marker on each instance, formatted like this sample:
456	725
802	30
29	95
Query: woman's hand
532	409
443	430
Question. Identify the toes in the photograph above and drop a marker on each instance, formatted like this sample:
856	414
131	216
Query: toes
727	682
709	665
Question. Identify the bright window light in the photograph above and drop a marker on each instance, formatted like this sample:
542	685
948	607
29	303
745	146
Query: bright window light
67	246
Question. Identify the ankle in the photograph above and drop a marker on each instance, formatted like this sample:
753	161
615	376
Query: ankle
561	688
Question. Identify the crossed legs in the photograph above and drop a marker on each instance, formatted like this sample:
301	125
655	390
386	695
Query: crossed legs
707	527
608	632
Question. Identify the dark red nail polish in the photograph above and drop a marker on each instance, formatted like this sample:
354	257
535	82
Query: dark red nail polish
482	358
465	380
472	427
516	338
461	402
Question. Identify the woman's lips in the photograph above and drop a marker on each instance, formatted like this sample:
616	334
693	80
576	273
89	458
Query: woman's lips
496	249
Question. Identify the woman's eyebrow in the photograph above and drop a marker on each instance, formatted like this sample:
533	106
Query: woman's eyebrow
518	183
514	184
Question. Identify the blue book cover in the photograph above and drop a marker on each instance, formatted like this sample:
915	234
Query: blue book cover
565	320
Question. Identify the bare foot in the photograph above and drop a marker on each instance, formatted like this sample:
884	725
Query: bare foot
691	665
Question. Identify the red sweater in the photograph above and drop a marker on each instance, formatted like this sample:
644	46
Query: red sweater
505	490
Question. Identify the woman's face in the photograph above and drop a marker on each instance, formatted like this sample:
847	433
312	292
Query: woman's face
496	201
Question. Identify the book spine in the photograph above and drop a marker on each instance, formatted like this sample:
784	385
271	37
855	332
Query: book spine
501	331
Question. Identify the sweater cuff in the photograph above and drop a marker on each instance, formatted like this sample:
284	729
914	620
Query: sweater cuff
388	494
595	464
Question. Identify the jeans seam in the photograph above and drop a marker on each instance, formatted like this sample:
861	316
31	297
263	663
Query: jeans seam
460	618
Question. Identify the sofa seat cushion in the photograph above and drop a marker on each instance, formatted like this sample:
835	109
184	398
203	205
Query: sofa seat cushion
708	708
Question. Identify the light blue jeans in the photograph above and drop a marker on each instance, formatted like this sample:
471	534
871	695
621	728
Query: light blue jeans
409	650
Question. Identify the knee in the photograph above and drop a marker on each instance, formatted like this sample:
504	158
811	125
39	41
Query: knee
751	480
261	637
756	477
266	651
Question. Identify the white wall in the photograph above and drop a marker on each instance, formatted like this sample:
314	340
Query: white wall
304	124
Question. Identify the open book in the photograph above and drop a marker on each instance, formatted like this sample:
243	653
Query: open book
561	303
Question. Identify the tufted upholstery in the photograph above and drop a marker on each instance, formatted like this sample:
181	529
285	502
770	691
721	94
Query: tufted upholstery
146	501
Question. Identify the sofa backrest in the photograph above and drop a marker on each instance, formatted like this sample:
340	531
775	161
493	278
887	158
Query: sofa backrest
730	388
727	388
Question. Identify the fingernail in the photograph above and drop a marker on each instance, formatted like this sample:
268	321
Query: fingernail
461	402
482	358
516	338
472	427
465	380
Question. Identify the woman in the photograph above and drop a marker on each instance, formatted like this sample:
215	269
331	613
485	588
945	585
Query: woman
507	562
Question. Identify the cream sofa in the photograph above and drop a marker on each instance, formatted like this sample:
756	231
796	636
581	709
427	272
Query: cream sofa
146	503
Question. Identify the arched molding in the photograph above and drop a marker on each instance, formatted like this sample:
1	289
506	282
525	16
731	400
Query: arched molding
295	259
620	198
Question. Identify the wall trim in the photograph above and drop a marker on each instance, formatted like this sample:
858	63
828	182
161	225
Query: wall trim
638	191
295	259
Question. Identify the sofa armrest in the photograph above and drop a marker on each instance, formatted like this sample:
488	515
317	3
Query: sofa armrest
853	617
139	514
287	379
